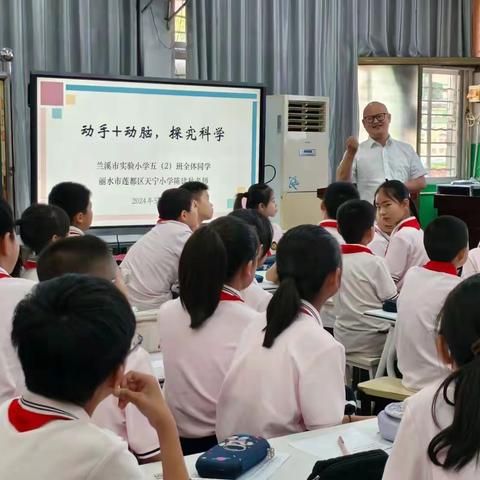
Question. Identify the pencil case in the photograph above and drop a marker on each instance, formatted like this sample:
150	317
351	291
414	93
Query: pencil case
233	457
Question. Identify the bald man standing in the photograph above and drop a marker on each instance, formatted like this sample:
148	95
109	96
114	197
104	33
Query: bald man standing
380	157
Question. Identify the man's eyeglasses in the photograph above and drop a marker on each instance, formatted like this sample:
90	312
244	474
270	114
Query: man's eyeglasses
379	117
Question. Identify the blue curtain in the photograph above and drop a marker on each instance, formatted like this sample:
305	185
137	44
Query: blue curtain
310	47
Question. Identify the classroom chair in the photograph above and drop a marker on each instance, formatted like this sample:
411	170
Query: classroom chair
147	328
360	362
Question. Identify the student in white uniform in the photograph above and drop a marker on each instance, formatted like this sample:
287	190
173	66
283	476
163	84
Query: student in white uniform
336	194
12	290
405	248
262	198
199	331
75	199
40	225
90	255
201	196
366	283
287	375
254	295
440	428
381	238
421	299
150	267
72	336
472	265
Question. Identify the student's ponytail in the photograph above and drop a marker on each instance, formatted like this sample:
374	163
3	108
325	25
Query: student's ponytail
211	257
306	255
258	193
202	274
458	444
282	311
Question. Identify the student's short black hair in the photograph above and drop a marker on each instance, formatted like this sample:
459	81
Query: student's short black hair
173	202
261	224
336	194
39	223
355	218
196	188
86	254
71	197
7	222
71	333
445	237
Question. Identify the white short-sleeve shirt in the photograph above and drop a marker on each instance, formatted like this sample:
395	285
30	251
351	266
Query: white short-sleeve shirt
380	241
256	297
150	267
472	265
331	226
408	458
12	290
366	284
374	163
296	385
68	448
196	361
405	249
129	423
422	297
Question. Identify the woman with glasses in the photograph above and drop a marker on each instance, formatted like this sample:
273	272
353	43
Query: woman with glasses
380	158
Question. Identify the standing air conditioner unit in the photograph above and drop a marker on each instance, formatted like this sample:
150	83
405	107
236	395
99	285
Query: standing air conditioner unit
296	146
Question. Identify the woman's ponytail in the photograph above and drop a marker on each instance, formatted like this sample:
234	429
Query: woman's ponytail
240	200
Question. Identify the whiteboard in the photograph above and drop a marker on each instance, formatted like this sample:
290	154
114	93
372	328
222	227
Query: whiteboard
128	140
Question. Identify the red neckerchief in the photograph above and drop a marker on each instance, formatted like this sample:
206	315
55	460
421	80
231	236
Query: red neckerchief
411	222
24	420
30	265
4	275
442	267
228	294
329	224
354	248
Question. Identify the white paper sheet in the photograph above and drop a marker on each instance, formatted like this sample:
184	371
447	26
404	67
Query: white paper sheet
326	445
263	471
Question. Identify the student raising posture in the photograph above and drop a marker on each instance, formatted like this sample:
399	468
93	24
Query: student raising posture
90	255
262	198
72	336
254	295
439	432
75	200
199	331
12	290
287	375
200	194
366	283
40	225
150	267
336	194
405	249
421	299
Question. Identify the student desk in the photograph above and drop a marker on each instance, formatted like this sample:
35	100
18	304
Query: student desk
299	464
388	353
266	285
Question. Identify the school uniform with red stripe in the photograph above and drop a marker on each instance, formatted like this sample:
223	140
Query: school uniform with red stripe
422	297
405	249
12	290
331	226
366	284
296	385
44	438
29	270
197	360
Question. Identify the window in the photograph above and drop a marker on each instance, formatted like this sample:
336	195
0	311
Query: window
440	121
180	43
